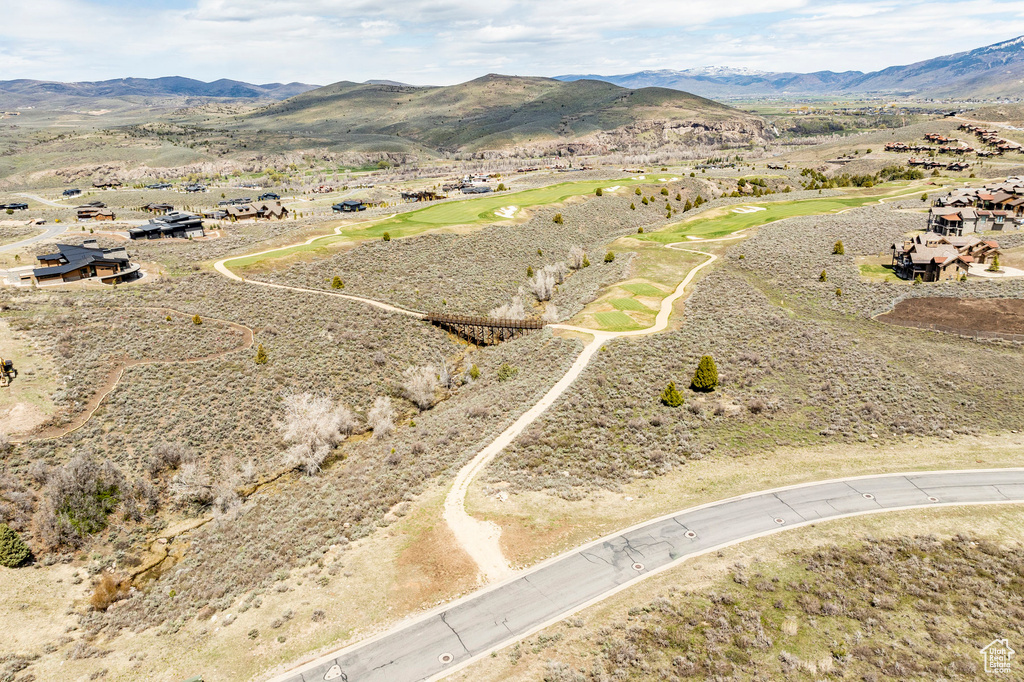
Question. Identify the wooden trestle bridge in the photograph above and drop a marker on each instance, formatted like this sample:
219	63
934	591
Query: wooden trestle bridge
483	331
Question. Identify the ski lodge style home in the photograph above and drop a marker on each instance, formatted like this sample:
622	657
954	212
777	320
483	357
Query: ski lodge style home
935	257
75	263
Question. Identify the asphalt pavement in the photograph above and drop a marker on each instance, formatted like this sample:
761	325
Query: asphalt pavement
446	639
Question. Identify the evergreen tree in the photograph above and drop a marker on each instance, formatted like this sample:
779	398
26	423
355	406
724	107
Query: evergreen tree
529	271
13	550
644	201
609	257
994	267
664	191
638	192
671	395
387	236
557	220
336	283
823	277
586	262
261	355
838	249
687	206
196	319
706	377
599	192
632	207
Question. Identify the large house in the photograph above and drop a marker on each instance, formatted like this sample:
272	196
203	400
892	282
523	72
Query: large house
264	209
349	205
74	263
176	224
934	257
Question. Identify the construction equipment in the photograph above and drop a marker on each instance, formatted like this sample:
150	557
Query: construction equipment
7	372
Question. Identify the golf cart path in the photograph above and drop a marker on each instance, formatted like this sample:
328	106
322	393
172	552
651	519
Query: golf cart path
444	640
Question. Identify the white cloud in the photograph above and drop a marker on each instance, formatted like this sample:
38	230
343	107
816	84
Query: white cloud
446	41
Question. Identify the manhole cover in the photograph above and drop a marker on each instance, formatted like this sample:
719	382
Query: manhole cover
868	496
445	658
690	534
334	673
780	521
638	567
933	499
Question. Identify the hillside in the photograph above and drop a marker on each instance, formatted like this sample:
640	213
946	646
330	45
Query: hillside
51	94
987	72
500	111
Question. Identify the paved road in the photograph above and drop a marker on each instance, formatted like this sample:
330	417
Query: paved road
41	200
496	616
52	230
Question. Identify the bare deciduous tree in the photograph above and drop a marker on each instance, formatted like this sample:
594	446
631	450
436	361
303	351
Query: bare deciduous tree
191	485
420	384
313	425
515	310
576	256
381	417
550	313
543	284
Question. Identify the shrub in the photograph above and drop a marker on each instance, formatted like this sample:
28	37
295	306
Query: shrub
506	372
706	377
671	395
336	283
474	372
197	320
838	249
13	550
924	197
108	590
80	496
839	292
640	230
381	417
586	262
501	187
609	257
557	220
386	236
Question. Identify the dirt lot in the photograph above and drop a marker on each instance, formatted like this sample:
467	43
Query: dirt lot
1005	316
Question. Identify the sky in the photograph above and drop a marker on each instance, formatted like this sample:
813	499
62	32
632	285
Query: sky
441	42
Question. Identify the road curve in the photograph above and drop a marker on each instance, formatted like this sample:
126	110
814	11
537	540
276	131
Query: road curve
438	643
51	231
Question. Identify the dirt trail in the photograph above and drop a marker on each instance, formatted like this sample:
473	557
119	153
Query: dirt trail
116	373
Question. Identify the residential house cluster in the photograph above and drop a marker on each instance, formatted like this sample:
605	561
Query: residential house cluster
934	257
991	138
968	210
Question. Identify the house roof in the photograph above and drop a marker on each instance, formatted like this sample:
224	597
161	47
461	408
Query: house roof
73	257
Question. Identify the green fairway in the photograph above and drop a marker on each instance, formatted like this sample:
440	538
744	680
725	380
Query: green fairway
630	304
641	289
616	321
722	225
467	212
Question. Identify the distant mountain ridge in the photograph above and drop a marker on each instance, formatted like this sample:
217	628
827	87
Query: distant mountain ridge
994	71
26	92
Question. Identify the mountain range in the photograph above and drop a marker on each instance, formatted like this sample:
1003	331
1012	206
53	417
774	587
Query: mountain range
992	72
25	92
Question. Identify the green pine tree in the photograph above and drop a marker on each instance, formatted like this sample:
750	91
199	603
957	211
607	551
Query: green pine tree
706	377
586	261
336	283
632	207
599	192
557	220
13	550
609	257
261	355
838	249
687	206
671	395
638	192
823	277
196	319
387	236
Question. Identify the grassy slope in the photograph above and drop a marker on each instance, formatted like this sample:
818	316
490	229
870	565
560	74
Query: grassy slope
486	112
